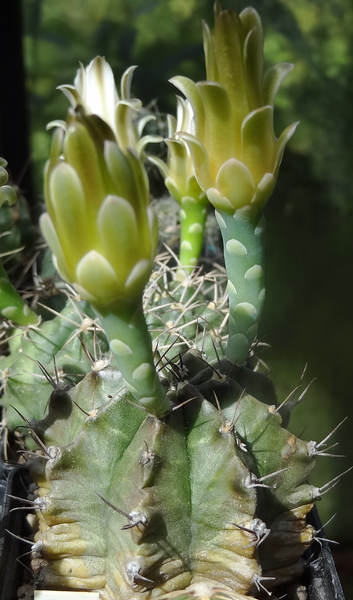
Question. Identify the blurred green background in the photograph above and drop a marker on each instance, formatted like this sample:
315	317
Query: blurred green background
308	312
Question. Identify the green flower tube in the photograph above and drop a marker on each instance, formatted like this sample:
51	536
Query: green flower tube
103	234
236	155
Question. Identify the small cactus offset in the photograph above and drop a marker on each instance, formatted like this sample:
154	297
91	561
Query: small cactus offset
55	348
167	471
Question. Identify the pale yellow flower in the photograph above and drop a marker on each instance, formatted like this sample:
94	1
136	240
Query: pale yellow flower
236	155
99	224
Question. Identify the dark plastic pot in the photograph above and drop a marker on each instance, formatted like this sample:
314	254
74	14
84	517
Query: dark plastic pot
321	576
14	481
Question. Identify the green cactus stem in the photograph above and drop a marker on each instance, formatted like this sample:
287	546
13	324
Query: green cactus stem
242	239
131	344
193	215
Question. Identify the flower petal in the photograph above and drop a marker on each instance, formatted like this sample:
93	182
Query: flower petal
69	213
95	274
82	153
185	116
50	236
125	84
72	94
228	41
264	190
253	56
141	182
208	48
126	134
190	90
142	122
219	202
171	125
258	142
100	95
120	171
200	161
273	79
235	182
180	167
118	231
217	136
80	80
138	278
145	140
55	152
160	164
281	144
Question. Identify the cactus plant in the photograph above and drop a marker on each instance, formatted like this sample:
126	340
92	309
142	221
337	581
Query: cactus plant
167	471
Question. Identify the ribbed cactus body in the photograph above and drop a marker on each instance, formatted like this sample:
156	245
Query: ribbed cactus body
134	505
24	385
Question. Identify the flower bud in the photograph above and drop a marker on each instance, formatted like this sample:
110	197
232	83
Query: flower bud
99	224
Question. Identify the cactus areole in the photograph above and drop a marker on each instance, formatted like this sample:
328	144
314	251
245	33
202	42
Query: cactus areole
170	475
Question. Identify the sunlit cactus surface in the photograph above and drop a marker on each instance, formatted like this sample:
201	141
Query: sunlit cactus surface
163	465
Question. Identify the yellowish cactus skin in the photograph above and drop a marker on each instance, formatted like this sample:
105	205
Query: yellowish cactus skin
135	505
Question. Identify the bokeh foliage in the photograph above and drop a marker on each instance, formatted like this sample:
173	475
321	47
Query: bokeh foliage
308	312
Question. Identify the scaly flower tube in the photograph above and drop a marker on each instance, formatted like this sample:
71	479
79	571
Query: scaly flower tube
103	234
236	155
181	183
